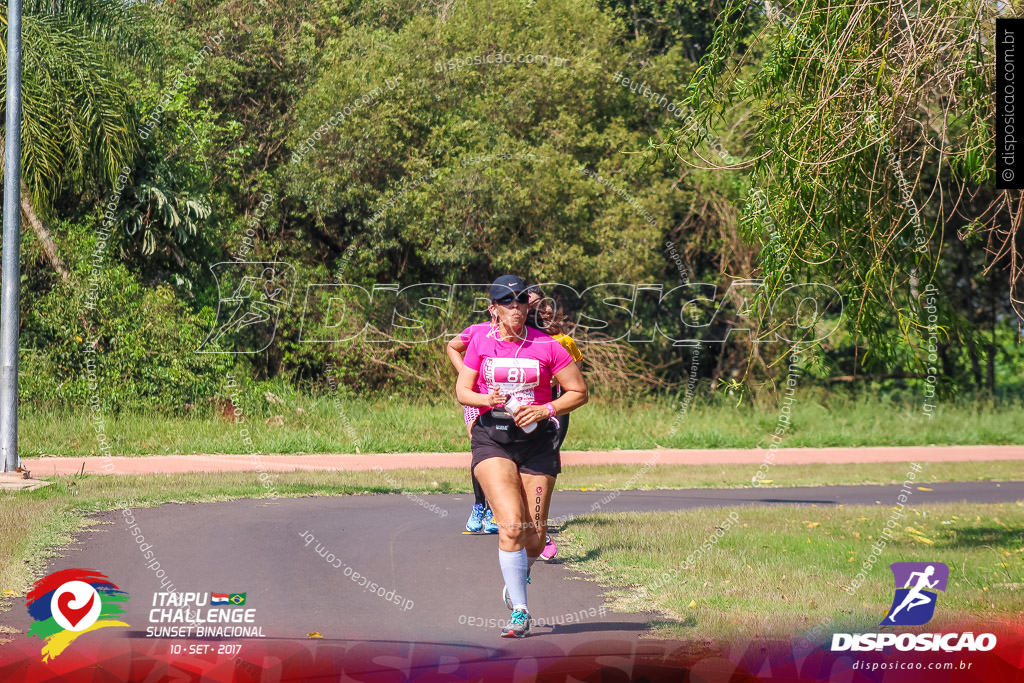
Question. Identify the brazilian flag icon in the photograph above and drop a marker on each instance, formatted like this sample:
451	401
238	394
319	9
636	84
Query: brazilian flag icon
237	598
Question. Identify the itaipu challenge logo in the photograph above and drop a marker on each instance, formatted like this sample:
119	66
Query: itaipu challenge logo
70	603
914	603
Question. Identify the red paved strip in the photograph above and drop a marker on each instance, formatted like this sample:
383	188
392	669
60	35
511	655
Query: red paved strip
42	467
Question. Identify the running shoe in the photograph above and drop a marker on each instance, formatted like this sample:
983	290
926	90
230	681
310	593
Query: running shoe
489	525
550	550
476	520
518	625
505	594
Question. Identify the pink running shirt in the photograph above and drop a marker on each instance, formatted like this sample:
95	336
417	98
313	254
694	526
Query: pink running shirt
521	369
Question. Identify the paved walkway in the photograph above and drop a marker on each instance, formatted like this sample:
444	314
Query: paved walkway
48	466
300	561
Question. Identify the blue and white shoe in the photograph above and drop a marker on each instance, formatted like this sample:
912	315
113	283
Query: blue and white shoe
476	520
518	625
489	525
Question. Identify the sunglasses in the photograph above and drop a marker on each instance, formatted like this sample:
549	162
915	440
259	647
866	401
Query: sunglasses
521	298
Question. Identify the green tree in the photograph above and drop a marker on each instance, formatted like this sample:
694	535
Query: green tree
874	167
449	167
78	126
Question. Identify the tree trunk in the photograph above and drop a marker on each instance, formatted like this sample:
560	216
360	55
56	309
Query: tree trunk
972	353
947	364
990	375
42	234
993	347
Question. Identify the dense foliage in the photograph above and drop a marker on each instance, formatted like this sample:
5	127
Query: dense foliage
573	141
873	169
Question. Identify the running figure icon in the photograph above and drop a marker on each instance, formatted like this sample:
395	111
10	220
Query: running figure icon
247	318
915	598
256	299
915	594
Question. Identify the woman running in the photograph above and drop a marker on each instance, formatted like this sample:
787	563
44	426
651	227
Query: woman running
515	455
541	315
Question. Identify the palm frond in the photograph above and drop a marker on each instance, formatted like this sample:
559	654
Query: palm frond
77	119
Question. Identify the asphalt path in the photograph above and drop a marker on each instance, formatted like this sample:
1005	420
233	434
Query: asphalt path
448	583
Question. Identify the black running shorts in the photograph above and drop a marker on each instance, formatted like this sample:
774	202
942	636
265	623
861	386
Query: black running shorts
535	453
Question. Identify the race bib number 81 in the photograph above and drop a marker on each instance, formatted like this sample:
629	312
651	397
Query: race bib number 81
513	374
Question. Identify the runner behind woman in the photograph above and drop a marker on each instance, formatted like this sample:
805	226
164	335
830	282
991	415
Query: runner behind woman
516	467
544	317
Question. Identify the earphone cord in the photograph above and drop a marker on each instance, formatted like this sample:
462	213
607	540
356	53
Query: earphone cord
519	348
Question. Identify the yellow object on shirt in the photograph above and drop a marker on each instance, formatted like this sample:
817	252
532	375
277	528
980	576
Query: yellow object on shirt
569	345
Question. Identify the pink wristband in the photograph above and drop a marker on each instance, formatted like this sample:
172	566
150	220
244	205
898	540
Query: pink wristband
551	409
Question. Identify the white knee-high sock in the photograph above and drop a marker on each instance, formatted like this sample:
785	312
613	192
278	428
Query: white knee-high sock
514	568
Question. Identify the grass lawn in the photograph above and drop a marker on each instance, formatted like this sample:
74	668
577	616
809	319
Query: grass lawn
35	524
308	425
780	571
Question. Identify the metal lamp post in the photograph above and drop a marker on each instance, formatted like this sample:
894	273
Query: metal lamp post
11	247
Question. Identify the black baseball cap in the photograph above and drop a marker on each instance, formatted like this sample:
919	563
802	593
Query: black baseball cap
508	286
